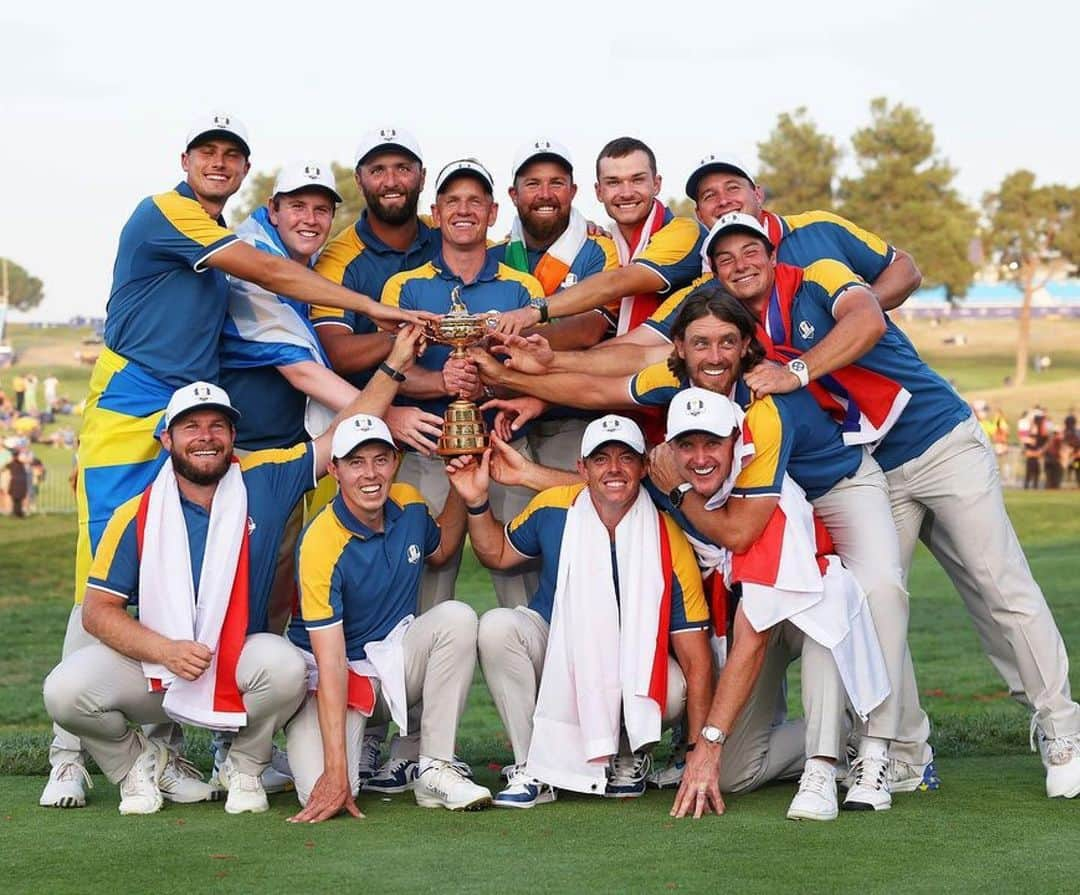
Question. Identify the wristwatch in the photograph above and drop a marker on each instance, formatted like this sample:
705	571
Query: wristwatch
676	494
713	735
541	305
801	371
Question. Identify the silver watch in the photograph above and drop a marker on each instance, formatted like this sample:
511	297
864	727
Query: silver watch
713	735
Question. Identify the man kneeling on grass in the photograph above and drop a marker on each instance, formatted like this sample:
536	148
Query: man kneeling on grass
582	678
360	565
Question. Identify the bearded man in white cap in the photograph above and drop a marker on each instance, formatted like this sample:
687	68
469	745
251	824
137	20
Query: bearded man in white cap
582	676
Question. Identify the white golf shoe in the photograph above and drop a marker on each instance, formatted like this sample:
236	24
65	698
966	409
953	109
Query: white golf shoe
139	792
442	785
246	791
523	791
816	798
1061	758
68	782
180	781
868	785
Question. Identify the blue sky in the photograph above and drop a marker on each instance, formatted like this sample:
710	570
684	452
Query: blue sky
95	98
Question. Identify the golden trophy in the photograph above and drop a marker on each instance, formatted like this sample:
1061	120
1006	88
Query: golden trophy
464	431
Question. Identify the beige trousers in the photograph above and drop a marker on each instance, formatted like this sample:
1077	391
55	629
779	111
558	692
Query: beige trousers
96	693
557	443
440	657
428	475
950	498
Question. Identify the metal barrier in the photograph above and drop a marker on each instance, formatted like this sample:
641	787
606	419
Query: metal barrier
54	496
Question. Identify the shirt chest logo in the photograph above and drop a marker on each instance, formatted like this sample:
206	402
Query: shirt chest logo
251	526
571	279
806	329
413	554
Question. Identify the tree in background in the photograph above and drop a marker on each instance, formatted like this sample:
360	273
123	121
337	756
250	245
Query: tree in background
23	291
1032	233
798	165
905	194
260	184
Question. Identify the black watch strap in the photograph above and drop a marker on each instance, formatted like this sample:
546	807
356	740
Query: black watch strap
396	375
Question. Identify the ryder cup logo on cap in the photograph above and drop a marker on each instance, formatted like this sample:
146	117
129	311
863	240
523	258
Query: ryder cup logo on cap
699	410
465	167
386	138
541	148
612	428
736	221
198	396
716	161
217	124
306	175
357	430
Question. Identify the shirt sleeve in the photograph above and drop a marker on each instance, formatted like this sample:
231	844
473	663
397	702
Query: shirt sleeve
523	531
394	293
664	316
864	252
187	232
826	280
655	386
432	533
763	476
115	567
318	576
288	472
689	609
674	252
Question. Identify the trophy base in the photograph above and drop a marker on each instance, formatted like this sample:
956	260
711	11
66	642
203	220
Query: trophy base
464	431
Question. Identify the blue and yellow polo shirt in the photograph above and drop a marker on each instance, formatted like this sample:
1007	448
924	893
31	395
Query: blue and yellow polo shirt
357	259
538	532
791	433
803	239
674	252
496	288
935	408
166	308
367	581
275	481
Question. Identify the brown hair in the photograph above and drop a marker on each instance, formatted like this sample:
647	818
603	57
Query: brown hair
621	147
710	300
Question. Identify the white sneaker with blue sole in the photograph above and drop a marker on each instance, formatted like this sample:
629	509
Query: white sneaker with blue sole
523	791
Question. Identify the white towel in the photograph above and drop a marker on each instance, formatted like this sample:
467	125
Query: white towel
597	669
167	601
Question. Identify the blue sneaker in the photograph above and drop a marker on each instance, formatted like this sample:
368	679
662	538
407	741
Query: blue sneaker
523	791
628	776
393	777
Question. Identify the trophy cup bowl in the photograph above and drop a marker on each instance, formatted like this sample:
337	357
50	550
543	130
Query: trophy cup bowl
464	431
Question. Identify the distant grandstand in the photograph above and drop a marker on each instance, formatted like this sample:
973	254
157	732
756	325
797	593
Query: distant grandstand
1060	298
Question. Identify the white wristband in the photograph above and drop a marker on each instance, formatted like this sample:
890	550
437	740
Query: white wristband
801	371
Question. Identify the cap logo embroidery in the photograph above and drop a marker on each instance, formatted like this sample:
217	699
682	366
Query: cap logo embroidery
542	144
364	423
312	171
695	407
388	133
221	120
202	392
610	425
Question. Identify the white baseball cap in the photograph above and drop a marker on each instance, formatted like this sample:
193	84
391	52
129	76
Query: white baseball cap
218	124
541	147
611	428
357	430
700	410
305	175
736	221
717	161
468	166
198	396
386	138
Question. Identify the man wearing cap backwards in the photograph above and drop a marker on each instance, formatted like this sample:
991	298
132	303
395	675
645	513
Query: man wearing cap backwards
205	533
360	566
657	251
583	673
829	337
386	239
460	270
550	239
715	348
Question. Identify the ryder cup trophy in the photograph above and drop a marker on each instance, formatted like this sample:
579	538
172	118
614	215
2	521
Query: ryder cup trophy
463	431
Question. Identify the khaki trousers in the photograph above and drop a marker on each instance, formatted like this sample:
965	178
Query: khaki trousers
858	515
428	476
440	657
557	443
96	693
950	498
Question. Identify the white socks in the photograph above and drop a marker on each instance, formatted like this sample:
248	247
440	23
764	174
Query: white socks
874	747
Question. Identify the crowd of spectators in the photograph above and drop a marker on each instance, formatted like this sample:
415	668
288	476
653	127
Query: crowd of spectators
1050	451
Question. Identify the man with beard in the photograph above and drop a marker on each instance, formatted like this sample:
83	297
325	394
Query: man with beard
829	338
205	533
550	239
386	239
657	251
715	347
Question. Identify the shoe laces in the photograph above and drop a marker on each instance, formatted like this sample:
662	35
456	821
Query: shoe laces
634	766
519	776
143	773
178	766
817	781
238	780
868	770
394	766
71	771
